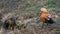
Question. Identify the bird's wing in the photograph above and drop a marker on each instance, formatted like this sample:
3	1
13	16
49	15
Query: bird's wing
48	17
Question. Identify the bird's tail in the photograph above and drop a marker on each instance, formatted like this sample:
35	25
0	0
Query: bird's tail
51	21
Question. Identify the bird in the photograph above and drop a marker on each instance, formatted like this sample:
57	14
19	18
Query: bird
46	17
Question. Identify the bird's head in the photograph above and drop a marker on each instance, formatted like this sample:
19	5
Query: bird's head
44	10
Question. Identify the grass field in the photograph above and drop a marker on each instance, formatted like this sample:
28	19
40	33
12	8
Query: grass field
26	14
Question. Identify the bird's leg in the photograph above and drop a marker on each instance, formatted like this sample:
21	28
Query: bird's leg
42	25
47	24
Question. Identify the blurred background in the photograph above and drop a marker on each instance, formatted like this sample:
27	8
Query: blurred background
25	14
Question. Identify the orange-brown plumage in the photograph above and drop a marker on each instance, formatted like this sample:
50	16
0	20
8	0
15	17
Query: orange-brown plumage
45	16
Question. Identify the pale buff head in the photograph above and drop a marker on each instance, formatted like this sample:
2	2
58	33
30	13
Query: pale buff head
44	10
